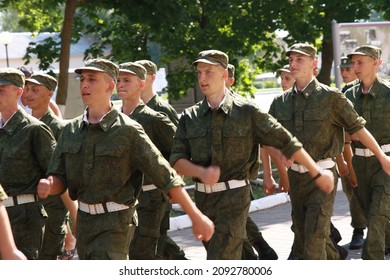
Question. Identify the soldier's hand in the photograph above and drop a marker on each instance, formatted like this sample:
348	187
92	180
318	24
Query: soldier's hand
386	164
203	229
211	175
326	181
44	187
269	185
284	184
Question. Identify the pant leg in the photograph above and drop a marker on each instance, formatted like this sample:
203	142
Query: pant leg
167	248
312	210
55	228
229	211
374	191
105	236
150	210
358	218
28	226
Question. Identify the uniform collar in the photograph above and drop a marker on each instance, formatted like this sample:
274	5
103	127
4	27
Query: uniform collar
106	121
373	91
308	89
225	105
13	122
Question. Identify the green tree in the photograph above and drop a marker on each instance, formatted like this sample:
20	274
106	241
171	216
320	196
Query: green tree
311	21
179	29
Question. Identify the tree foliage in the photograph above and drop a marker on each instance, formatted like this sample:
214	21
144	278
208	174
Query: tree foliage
172	32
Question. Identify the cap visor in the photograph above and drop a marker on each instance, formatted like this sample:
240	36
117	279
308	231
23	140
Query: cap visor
205	61
5	83
297	51
79	70
127	71
33	81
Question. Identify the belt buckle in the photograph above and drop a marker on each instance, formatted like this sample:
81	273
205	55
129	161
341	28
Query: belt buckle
367	152
92	209
208	188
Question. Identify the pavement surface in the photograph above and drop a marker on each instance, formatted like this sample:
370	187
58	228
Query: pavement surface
274	223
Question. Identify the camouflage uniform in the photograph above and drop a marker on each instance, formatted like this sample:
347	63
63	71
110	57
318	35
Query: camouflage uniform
26	145
374	183
160	106
255	237
55	228
167	247
316	117
358	219
152	203
101	164
225	137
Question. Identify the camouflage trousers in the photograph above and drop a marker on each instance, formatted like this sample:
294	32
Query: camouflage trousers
229	212
167	248
358	219
151	210
254	235
374	191
28	226
105	236
55	228
311	213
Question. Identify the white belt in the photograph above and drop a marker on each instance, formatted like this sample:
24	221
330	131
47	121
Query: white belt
368	153
101	208
20	199
221	186
146	188
323	163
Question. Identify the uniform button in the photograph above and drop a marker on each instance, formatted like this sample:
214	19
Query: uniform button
306	94
104	125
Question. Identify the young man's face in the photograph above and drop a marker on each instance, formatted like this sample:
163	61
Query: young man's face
364	66
348	74
301	66
287	80
38	96
129	86
95	87
9	96
211	78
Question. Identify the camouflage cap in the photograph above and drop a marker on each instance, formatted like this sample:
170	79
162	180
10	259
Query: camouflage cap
213	57
43	79
285	68
303	48
371	51
150	67
100	65
133	68
231	69
11	76
345	62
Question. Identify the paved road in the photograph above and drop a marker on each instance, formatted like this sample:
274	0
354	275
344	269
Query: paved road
275	225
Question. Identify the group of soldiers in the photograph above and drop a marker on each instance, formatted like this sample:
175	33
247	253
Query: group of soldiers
123	168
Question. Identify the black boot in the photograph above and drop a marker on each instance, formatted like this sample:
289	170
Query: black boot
357	239
263	249
335	234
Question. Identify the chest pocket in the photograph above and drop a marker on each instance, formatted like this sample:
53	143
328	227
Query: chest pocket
285	117
314	125
15	160
237	142
109	154
198	144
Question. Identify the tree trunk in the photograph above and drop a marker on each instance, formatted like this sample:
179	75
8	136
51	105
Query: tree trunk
327	60
66	37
